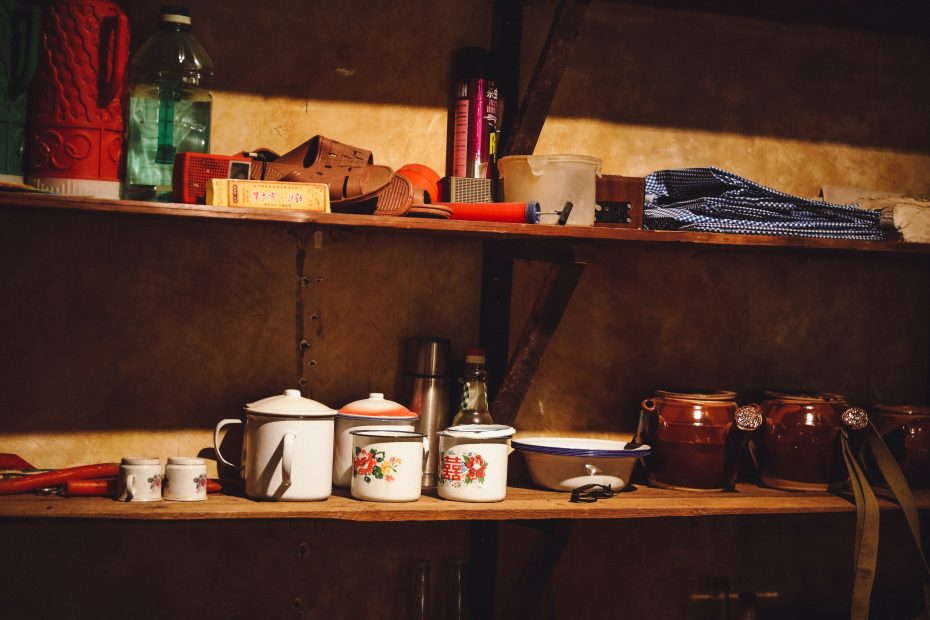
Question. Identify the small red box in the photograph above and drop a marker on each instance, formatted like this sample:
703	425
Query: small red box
193	171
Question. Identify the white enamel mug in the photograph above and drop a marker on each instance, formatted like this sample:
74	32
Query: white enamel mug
387	465
473	462
185	479
372	413
139	479
288	451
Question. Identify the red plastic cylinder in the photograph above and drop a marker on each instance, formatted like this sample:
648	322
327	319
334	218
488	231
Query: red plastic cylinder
512	212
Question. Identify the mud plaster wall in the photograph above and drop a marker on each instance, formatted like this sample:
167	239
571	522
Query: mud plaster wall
134	334
790	105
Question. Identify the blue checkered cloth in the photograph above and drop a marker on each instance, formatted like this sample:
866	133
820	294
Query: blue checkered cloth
714	200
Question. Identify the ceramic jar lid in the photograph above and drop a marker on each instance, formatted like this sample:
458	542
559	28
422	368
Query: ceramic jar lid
186	461
805	397
376	407
696	394
140	460
290	404
917	411
480	431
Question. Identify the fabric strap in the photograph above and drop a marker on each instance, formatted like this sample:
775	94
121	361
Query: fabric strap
893	475
865	552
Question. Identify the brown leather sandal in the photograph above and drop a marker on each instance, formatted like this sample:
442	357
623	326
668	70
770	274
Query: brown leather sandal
400	197
347	170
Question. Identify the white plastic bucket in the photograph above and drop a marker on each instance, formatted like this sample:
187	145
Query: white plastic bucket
552	180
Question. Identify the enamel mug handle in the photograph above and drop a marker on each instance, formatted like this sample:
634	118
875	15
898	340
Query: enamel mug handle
425	451
287	458
130	487
216	440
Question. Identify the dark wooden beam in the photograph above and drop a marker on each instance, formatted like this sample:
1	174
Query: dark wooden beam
507	36
482	568
553	298
494	318
566	23
527	599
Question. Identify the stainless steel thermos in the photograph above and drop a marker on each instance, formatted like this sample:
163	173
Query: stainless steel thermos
426	387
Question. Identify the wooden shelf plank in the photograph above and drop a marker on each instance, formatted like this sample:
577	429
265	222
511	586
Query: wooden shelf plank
484	230
520	504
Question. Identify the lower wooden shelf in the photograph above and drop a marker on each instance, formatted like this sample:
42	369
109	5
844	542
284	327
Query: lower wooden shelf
641	502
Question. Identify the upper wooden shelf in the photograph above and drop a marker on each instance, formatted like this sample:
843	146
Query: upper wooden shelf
487	230
520	504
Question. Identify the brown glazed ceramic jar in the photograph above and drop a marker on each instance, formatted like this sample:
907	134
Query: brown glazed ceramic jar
906	431
797	445
696	438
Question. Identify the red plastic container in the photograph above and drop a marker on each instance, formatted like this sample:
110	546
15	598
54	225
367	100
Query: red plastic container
75	135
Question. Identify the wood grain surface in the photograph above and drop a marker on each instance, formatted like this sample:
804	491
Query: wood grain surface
459	228
521	503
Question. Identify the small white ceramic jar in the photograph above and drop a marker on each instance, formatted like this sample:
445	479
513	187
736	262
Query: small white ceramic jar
473	462
185	479
287	448
387	465
139	479
372	413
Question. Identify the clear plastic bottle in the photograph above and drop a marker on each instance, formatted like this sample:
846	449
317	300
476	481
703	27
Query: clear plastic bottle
169	105
473	408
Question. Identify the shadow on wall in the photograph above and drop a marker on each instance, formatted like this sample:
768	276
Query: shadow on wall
632	64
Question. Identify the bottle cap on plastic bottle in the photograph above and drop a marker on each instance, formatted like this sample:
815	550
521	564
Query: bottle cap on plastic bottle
474	356
176	14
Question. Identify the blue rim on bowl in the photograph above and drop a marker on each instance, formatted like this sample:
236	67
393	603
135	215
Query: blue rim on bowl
576	446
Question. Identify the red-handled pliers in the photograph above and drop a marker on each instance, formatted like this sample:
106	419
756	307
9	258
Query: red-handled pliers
31	482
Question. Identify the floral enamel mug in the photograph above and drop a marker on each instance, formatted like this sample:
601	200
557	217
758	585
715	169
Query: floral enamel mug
387	465
139	479
473	462
185	479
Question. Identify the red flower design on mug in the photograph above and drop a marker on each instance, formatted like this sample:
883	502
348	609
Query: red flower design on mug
363	464
476	466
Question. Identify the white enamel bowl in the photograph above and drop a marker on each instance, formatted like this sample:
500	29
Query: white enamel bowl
566	463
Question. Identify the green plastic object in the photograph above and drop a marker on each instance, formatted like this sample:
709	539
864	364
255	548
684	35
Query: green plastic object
19	45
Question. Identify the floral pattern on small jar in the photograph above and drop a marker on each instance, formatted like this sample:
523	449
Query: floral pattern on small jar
368	464
467	469
200	482
154	482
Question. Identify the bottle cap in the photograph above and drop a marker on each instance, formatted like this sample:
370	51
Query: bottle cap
474	356
176	14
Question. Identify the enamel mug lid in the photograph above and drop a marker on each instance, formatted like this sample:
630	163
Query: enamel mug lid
290	404
377	407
